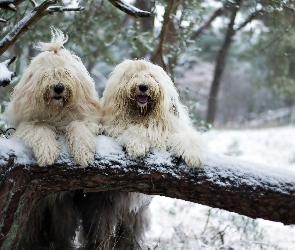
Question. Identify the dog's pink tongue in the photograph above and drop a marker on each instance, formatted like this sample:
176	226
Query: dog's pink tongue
142	98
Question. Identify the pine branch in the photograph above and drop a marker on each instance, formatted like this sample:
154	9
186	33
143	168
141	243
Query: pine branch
129	9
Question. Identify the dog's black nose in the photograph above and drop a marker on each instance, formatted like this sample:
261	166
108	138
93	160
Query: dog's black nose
59	88
143	87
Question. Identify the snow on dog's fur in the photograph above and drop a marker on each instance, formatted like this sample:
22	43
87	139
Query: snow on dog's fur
143	111
56	96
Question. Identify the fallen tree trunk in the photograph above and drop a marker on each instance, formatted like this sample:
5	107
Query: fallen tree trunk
246	188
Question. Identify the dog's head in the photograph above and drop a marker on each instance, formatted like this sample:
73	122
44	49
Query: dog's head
140	88
56	80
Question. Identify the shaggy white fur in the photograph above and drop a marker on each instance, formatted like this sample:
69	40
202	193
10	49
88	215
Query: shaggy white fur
143	111
56	95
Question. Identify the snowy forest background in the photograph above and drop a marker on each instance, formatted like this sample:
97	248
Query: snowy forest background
234	65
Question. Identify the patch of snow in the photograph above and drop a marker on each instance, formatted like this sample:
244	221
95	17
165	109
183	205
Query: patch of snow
5	73
107	146
157	157
16	147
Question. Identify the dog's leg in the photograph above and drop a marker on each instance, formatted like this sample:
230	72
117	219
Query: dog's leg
42	139
82	141
190	146
98	219
137	146
51	224
132	227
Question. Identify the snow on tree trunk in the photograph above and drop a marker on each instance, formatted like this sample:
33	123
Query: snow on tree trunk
246	188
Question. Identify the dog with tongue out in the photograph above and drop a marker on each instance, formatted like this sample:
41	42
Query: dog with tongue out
143	111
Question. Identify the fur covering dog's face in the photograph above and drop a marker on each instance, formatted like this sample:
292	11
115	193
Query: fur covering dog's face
140	89
142	93
56	90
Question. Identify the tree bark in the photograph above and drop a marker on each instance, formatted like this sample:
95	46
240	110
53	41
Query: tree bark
246	188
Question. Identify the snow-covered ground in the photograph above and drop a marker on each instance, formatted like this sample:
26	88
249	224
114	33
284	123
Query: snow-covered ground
178	224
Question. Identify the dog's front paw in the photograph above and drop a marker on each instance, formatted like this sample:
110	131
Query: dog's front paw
82	141
190	146
194	159
82	149
84	157
137	149
47	153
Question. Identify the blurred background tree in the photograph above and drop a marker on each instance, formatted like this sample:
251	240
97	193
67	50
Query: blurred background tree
252	41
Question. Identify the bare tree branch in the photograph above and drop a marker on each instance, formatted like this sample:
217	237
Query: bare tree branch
25	24
7	5
29	20
208	22
63	9
10	4
246	188
33	3
3	20
249	19
129	9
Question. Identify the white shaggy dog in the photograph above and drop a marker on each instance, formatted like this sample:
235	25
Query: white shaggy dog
143	111
56	96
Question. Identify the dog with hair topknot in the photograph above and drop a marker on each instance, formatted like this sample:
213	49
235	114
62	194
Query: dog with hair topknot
143	111
56	95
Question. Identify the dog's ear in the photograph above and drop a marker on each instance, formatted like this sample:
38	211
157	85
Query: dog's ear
174	108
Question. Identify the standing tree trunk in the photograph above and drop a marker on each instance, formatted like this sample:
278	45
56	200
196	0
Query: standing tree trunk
220	64
158	56
143	26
